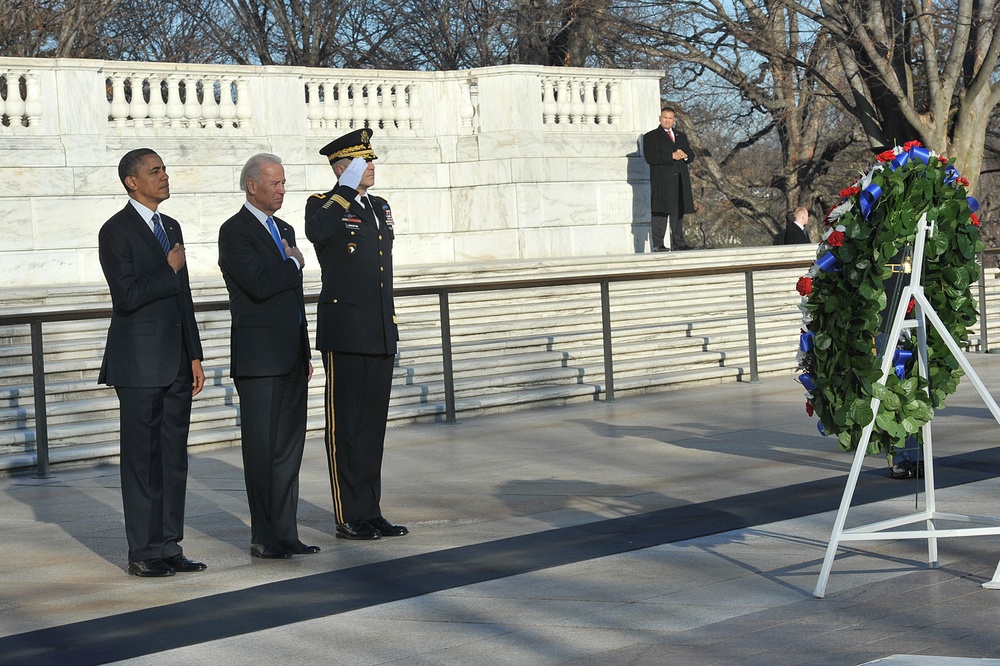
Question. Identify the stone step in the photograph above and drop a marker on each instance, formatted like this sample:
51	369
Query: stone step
415	366
218	425
511	349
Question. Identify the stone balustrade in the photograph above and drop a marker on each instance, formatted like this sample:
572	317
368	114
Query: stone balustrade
491	163
20	103
150	100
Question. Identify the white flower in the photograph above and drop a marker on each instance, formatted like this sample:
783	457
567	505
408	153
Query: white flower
837	213
867	179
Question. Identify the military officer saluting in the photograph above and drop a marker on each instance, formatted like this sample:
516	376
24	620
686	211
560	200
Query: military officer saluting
356	332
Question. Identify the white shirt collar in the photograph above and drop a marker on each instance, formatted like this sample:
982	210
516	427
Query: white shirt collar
145	213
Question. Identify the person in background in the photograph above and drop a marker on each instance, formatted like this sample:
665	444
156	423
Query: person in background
668	154
795	230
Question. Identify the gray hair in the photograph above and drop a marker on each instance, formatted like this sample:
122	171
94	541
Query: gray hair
251	170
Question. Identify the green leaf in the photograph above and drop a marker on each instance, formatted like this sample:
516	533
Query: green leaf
860	413
848	307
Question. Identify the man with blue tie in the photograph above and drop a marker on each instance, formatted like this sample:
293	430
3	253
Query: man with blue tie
153	359
270	362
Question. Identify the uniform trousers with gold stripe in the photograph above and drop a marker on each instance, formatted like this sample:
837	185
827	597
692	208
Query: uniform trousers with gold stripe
357	406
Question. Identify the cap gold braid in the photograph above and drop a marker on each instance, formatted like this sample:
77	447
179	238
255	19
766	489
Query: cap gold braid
363	149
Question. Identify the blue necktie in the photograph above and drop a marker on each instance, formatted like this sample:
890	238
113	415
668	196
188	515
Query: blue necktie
160	234
274	235
277	240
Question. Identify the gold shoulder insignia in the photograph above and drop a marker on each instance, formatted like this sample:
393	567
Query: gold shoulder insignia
319	196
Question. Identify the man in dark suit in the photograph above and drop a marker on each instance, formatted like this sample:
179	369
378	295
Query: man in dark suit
270	355
795	230
153	359
356	331
668	154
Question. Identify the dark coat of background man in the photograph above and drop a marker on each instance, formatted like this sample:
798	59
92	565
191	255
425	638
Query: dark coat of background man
795	230
270	355
668	154
356	331
153	359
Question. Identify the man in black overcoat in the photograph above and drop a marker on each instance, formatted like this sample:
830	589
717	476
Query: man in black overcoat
356	332
795	230
668	154
153	359
270	354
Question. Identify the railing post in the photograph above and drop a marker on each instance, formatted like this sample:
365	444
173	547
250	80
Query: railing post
449	373
751	328
41	421
609	361
984	342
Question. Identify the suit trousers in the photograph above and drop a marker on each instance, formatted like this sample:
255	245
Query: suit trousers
273	432
658	230
357	406
154	464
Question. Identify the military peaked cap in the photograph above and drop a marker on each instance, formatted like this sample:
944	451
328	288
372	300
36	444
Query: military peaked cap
351	145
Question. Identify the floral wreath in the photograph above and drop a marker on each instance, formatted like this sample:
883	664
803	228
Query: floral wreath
847	311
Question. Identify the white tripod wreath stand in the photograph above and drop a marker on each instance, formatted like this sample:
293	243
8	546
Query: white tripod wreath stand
884	530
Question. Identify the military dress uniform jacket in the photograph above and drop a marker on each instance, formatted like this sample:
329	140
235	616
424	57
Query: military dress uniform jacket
355	313
152	321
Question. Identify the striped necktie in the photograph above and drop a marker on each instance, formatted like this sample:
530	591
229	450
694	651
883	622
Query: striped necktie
160	234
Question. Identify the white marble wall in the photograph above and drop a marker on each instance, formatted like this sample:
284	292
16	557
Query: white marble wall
479	164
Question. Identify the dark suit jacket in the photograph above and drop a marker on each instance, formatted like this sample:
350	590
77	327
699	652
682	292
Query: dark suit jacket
669	180
268	334
792	235
356	313
153	322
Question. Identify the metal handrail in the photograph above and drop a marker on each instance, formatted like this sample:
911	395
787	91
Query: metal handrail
35	317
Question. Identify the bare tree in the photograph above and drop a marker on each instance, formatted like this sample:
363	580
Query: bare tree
922	69
54	28
770	84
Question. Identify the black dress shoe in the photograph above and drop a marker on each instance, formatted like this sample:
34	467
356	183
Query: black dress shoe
661	249
360	531
386	528
150	569
298	548
269	552
183	564
907	470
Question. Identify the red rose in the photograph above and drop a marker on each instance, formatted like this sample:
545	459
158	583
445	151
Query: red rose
942	159
809	408
849	191
974	219
887	156
911	144
836	239
910	306
804	286
963	181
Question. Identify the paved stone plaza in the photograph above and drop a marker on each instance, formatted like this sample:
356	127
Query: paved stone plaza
685	527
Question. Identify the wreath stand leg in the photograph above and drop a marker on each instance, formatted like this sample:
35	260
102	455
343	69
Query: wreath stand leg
885	530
